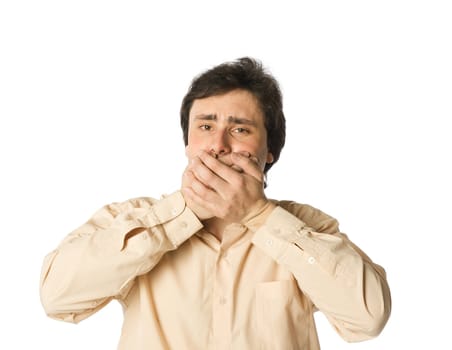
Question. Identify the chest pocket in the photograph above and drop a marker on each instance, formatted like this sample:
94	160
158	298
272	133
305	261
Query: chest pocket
284	316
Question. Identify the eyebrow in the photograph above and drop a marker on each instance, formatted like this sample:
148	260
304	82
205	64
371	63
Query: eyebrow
231	119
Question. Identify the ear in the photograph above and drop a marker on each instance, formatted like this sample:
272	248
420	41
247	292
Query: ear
270	158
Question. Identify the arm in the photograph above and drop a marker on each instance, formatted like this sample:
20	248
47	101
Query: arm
337	276
340	280
100	260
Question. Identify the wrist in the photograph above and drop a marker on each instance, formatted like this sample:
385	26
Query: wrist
256	218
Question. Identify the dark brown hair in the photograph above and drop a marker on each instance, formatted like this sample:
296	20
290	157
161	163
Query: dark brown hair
248	74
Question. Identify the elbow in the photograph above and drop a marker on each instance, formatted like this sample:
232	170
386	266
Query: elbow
54	308
47	302
53	298
378	312
47	287
376	308
68	307
58	303
371	324
365	329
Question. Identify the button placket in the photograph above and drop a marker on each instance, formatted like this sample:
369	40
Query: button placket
222	306
311	260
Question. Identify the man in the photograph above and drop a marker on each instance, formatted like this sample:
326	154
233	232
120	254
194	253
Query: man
217	265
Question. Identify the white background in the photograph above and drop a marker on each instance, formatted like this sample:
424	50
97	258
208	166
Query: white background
89	100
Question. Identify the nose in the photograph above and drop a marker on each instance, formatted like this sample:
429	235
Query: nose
220	143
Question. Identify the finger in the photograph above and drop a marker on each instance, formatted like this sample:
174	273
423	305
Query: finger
219	167
195	203
237	168
199	194
227	159
247	155
191	195
204	174
196	184
249	165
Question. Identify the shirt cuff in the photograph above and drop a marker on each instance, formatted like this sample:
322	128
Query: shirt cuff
170	214
278	232
183	223
283	231
283	228
179	222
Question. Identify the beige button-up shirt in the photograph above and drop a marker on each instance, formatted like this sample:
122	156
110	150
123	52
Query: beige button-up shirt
183	289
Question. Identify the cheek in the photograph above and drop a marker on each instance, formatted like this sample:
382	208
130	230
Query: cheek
194	147
259	146
189	151
262	154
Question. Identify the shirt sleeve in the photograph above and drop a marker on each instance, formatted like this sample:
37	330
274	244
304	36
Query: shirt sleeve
100	260
337	276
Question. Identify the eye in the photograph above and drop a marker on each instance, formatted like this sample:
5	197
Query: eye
241	131
205	127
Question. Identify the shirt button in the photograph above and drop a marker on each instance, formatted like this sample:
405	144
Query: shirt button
269	242
311	260
276	231
223	300
183	224
174	212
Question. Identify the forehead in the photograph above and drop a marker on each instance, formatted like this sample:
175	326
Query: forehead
237	103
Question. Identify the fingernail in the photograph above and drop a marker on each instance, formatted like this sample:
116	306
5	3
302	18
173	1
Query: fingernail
254	159
212	153
237	168
245	154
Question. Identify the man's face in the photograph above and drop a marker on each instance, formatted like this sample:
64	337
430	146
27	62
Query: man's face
232	122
